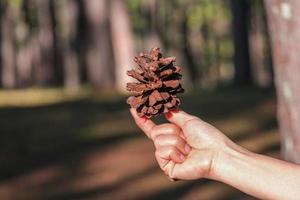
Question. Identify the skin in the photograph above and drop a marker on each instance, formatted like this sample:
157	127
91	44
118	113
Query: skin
188	148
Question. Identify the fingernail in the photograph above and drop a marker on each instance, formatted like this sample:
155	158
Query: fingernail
169	114
187	148
144	118
182	157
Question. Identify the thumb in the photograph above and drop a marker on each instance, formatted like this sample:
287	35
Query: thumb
143	123
179	117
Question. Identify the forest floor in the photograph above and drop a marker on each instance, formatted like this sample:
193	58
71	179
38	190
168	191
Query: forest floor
86	146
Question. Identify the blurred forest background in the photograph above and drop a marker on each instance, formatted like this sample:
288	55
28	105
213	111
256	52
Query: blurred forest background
72	43
65	129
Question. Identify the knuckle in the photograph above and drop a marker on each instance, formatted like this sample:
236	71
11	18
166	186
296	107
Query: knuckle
173	150
190	122
156	141
177	141
173	128
152	133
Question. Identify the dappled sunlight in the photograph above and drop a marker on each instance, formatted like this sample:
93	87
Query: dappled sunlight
38	97
261	143
233	126
19	187
111	125
92	149
251	121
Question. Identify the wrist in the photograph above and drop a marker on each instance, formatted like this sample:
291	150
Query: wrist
224	160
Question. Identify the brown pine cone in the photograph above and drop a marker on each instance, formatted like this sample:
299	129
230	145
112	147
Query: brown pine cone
159	82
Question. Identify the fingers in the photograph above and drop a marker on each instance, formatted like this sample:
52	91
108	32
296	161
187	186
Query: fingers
151	129
172	140
166	153
168	139
170	148
142	122
180	118
164	129
169	134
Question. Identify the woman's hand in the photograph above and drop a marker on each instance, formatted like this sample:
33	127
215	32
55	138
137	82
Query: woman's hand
187	148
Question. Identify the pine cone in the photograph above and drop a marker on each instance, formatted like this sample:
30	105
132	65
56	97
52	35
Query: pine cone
159	82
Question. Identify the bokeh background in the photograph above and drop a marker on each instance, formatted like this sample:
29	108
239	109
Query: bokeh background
65	127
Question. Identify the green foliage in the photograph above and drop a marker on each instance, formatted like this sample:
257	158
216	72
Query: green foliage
139	24
15	3
209	28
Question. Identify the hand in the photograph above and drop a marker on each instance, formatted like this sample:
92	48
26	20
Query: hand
187	148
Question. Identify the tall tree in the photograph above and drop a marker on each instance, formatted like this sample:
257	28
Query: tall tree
7	46
284	24
1	14
67	37
187	49
123	42
259	45
151	14
44	70
57	52
98	51
240	12
22	53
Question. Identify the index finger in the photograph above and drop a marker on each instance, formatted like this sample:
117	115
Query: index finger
142	122
180	118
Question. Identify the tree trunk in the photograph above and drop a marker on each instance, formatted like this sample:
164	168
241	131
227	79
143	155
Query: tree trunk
261	72
8	55
240	11
284	24
1	16
57	51
45	70
123	42
98	49
151	37
187	50
23	42
67	36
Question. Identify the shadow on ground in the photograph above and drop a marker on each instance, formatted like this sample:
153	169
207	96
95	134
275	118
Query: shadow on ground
91	149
